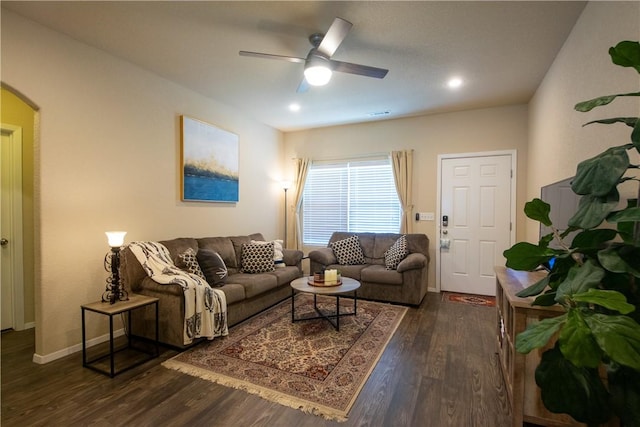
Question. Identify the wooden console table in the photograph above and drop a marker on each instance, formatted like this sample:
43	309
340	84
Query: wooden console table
513	316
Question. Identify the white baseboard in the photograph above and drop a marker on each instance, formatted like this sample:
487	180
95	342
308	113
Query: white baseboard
42	359
30	325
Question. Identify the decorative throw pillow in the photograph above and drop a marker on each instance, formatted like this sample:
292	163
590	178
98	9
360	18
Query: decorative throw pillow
348	251
188	262
396	253
213	267
278	255
257	257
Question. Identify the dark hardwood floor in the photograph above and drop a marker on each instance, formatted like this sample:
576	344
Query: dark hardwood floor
440	369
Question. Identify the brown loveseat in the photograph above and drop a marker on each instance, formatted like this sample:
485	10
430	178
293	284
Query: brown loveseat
246	294
405	284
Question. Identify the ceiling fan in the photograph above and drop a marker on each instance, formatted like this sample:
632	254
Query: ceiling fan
318	63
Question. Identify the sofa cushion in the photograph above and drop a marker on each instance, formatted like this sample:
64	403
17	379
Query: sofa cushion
379	274
224	247
257	257
234	292
352	271
213	267
348	251
286	274
254	284
396	253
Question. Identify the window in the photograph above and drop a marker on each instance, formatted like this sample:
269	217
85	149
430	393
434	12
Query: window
357	196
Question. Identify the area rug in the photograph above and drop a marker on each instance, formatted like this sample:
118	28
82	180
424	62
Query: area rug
479	300
305	365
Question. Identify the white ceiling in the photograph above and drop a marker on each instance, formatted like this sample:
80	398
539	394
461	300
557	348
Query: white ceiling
501	50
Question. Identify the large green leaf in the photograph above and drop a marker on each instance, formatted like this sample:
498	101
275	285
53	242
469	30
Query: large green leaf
535	289
593	239
527	256
612	260
612	300
579	280
568	389
545	300
577	343
628	214
624	387
626	54
538	210
600	101
598	175
592	210
629	121
538	334
635	136
618	336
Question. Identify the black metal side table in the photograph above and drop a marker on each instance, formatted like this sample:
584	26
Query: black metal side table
111	310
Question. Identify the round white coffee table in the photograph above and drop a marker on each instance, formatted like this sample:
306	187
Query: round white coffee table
302	285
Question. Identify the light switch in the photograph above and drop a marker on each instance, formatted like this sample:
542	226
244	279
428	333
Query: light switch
426	216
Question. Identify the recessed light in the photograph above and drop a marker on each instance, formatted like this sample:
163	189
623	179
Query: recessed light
294	107
454	83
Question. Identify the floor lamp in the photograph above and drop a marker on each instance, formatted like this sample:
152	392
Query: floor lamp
285	187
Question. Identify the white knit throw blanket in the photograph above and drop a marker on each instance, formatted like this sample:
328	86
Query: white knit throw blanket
205	309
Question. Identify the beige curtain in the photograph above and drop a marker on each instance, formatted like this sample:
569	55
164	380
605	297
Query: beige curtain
402	162
302	168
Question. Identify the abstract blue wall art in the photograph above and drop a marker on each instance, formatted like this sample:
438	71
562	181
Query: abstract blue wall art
209	162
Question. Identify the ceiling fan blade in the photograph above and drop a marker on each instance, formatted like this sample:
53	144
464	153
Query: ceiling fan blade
335	35
270	56
361	70
303	86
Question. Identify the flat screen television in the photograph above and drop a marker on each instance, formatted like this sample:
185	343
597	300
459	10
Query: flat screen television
564	204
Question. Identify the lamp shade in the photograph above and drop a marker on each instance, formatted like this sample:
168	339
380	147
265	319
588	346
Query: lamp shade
286	185
115	238
317	75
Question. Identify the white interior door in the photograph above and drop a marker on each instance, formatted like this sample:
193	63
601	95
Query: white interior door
475	197
11	262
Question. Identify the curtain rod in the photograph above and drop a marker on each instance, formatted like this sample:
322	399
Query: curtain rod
353	157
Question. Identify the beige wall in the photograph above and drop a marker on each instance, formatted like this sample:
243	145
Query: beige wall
581	71
109	159
15	111
491	129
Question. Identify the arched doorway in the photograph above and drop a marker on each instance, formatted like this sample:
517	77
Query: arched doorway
19	119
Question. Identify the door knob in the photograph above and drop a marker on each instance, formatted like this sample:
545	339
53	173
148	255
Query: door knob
445	231
3	242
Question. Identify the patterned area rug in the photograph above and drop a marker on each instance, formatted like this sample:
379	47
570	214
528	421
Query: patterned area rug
481	300
304	365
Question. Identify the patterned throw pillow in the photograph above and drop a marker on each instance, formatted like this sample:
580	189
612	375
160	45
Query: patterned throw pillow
257	257
213	267
278	254
348	251
188	262
396	253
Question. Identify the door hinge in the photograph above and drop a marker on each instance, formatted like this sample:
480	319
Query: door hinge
511	173
510	226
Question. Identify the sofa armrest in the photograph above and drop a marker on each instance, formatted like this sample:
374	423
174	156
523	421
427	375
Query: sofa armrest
292	256
412	261
323	256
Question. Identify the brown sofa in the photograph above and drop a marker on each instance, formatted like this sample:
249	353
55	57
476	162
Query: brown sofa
407	284
246	294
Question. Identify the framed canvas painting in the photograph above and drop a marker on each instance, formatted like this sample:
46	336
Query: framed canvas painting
209	160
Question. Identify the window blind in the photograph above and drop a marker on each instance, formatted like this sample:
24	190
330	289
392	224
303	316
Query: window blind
357	196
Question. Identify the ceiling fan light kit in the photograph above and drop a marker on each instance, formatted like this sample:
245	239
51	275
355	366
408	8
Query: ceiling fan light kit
319	66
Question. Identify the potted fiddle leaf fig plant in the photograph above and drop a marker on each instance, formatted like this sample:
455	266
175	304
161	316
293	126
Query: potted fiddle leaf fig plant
592	370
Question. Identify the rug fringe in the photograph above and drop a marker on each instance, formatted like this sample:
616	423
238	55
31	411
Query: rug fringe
270	395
